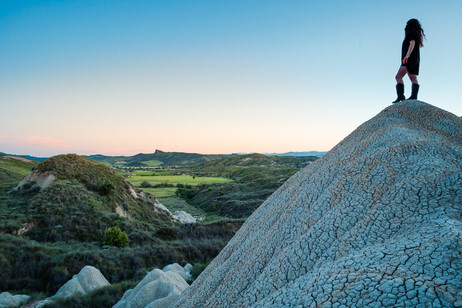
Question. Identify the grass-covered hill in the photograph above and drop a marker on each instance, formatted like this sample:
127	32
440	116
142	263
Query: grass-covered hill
255	159
255	177
49	232
158	158
14	168
84	199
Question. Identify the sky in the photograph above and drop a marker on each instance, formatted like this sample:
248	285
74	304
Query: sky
124	77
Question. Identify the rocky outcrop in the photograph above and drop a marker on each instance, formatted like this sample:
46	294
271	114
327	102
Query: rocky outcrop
375	222
89	278
159	289
37	180
9	300
184	272
184	217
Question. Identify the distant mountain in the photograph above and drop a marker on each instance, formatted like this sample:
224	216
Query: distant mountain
34	158
298	154
157	158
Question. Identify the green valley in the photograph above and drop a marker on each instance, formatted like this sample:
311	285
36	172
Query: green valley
54	222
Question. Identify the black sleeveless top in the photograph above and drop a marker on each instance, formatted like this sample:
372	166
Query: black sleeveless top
413	62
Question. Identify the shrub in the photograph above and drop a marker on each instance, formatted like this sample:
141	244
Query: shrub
106	188
145	184
115	237
167	234
197	269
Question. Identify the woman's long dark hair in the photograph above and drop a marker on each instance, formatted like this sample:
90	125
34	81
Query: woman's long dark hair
413	25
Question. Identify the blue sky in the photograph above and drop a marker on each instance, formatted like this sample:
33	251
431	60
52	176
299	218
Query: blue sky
122	77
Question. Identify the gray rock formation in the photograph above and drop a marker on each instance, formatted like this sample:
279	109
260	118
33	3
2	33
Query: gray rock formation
184	217
89	278
376	222
9	300
159	289
184	272
188	267
37	179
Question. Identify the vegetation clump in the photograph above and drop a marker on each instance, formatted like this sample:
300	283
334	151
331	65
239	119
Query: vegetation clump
197	269
167	234
115	237
106	188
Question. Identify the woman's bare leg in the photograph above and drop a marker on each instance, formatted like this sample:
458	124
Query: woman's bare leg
401	72
413	78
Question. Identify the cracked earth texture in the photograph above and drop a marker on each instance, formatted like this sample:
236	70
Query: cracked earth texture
376	222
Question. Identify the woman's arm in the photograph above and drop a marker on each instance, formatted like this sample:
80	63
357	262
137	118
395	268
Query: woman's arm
409	51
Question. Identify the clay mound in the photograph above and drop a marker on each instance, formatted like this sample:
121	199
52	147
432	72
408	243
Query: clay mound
88	279
159	289
375	222
9	300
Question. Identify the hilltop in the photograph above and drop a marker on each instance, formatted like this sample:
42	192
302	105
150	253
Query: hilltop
375	222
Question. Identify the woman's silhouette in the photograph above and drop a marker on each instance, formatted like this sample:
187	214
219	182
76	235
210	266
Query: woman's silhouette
410	59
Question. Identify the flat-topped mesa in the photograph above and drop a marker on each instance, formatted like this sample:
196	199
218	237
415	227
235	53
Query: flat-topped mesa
376	221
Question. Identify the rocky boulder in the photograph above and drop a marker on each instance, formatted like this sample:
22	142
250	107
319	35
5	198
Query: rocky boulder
89	278
375	222
184	217
37	180
159	289
184	272
9	300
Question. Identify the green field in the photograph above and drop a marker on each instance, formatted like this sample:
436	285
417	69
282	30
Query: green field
176	179
161	192
153	163
151	172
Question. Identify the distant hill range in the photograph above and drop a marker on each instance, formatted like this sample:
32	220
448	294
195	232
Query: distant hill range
161	158
157	158
34	158
298	154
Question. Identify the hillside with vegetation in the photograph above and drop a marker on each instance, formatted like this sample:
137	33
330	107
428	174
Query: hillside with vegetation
14	168
158	158
255	177
70	211
49	232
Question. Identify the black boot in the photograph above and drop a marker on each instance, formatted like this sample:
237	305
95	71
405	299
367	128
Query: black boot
400	92
415	91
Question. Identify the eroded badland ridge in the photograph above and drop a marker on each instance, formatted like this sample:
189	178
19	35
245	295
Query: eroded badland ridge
376	221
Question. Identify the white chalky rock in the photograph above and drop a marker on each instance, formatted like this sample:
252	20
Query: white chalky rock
158	289
40	180
9	300
89	278
375	222
184	217
175	267
188	267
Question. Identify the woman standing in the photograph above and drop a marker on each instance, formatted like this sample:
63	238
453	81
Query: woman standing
410	59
